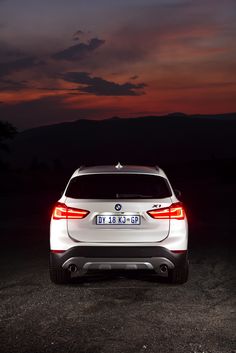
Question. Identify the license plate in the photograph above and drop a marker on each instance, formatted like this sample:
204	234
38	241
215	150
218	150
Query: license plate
118	220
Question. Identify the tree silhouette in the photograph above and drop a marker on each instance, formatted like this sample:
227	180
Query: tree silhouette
7	131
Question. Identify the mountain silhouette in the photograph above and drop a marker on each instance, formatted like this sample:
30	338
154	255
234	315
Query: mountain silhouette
173	138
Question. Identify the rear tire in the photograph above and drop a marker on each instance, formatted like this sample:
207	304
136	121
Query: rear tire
179	275
58	275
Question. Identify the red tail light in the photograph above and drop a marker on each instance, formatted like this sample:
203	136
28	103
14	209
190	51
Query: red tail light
61	211
175	211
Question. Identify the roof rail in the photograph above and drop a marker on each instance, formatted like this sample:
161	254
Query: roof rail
81	167
157	168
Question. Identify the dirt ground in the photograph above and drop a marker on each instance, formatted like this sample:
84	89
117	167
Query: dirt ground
114	313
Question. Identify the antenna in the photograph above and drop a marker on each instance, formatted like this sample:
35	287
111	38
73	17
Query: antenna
119	166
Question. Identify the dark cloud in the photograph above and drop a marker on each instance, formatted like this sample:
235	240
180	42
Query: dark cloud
79	51
76	36
8	52
51	110
135	77
7	68
78	33
11	85
100	87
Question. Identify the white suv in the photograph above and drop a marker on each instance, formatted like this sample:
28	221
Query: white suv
118	217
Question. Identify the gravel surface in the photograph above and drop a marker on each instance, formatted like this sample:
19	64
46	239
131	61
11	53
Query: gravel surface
114	313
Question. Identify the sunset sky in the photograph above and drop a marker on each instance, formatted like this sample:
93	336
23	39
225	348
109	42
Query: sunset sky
65	60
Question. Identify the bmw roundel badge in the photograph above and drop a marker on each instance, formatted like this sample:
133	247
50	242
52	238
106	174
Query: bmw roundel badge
118	207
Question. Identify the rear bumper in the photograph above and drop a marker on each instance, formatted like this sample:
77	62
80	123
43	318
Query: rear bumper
119	257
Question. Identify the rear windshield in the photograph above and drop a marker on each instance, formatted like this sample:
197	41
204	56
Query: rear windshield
118	186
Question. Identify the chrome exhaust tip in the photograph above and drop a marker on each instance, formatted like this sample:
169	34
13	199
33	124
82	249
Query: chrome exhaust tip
73	268
163	268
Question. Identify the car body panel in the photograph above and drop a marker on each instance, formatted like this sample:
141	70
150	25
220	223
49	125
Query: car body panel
168	234
149	229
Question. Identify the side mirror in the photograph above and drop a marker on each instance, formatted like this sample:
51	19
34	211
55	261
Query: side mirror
178	193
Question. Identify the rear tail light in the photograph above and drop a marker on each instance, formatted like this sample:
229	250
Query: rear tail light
61	211
175	211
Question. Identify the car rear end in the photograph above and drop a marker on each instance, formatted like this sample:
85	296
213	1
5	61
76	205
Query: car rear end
118	218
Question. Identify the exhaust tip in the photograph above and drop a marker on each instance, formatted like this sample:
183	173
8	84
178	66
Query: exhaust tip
73	268
164	268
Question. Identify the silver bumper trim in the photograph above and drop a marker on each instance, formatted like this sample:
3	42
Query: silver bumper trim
85	264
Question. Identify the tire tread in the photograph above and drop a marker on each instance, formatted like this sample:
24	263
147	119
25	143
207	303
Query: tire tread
59	276
179	275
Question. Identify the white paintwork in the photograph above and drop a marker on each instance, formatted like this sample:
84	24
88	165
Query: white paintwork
86	230
172	234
